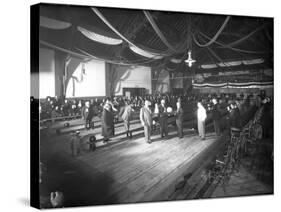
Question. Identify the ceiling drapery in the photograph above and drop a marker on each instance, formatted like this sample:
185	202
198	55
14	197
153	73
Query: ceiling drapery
53	23
155	38
212	40
158	31
232	48
132	45
99	38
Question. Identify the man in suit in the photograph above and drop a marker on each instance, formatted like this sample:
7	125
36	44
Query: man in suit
163	119
126	115
146	120
107	122
87	114
234	116
216	115
179	119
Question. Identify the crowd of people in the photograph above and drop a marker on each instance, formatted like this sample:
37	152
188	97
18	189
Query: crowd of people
153	108
158	108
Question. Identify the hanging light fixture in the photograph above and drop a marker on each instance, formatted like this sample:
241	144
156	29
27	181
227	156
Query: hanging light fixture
189	60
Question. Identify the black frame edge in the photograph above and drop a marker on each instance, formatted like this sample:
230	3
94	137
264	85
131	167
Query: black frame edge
34	109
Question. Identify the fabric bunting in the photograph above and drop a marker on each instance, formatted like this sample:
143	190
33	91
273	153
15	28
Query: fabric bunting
232	85
212	40
112	61
233	63
232	48
53	24
158	31
99	38
147	54
245	37
62	49
144	53
174	60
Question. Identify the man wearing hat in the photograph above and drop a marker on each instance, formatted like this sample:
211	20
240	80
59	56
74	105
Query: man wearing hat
234	116
163	119
216	117
179	119
146	120
126	114
88	114
107	122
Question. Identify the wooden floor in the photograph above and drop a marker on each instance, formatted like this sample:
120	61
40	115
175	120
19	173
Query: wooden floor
125	172
137	168
242	183
133	171
130	171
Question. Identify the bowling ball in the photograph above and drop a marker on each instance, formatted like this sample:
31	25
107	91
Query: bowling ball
92	139
169	110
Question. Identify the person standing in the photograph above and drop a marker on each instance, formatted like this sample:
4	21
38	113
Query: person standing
146	120
87	114
216	117
126	115
75	144
234	117
107	122
179	119
201	117
163	119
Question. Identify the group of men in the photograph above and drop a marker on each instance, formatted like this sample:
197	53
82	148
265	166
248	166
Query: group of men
160	114
146	118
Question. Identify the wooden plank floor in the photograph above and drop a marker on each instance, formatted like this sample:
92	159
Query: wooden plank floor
137	167
242	183
126	172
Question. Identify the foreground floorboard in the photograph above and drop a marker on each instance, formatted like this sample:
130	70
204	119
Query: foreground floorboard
130	171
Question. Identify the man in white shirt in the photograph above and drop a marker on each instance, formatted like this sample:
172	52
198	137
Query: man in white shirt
201	117
146	120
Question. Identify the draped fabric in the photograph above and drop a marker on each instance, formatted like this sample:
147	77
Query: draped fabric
63	49
158	31
209	66
212	40
137	37
144	53
233	63
232	48
76	80
174	60
113	61
99	38
53	23
234	85
132	45
245	37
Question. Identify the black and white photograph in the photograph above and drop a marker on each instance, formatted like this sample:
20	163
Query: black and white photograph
140	105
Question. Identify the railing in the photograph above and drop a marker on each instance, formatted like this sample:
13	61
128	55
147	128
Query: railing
230	161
